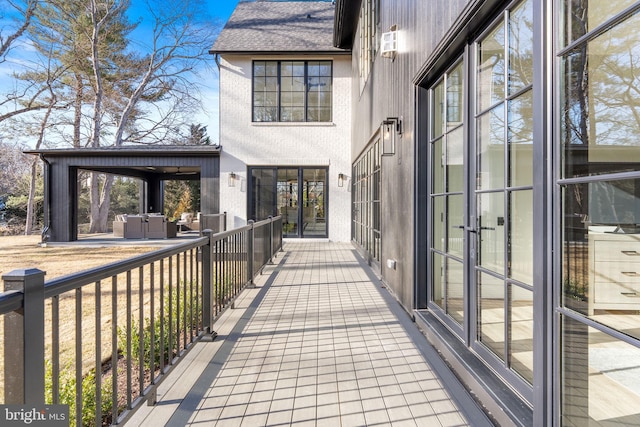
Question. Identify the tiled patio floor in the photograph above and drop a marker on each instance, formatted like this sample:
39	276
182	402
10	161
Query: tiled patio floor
319	342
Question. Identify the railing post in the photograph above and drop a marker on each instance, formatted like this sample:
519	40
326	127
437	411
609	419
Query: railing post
224	224
24	340
207	274
270	240
250	244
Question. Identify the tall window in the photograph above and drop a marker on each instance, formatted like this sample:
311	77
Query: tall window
368	29
447	197
366	201
292	91
599	188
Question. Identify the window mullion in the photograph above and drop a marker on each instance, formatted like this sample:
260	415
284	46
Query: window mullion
279	91
306	91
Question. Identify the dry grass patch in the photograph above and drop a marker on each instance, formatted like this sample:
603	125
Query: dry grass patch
18	252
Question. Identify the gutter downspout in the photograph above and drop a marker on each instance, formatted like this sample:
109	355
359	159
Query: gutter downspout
47	200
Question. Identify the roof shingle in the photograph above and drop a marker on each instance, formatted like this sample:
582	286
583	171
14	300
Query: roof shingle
273	27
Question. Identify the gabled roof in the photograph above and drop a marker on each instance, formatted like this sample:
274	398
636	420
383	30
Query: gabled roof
279	27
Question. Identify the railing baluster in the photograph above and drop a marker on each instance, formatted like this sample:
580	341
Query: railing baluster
162	321
128	333
98	347
114	349
152	310
199	270
184	303
78	354
141	329
169	325
55	350
178	305
191	300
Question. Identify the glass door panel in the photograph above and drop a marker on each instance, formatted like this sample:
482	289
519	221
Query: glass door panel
491	231
263	196
503	198
455	221
490	146
287	190
491	313
521	332
455	289
521	236
314	222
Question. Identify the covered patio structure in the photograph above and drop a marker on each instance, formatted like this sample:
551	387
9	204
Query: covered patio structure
151	164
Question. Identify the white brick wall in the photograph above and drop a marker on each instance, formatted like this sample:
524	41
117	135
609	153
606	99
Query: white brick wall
245	143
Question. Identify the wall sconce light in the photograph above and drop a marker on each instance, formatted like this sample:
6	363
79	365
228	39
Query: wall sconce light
389	43
341	178
232	179
391	127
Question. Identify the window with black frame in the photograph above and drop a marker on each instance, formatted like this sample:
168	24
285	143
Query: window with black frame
599	54
292	91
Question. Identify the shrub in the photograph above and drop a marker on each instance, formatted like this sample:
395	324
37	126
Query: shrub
67	381
176	305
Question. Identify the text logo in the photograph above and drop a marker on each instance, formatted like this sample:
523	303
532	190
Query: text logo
33	415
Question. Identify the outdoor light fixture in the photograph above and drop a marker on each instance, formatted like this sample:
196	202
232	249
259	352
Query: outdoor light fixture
389	43
232	179
341	178
391	127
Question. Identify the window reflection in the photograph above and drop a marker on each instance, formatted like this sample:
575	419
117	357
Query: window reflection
491	313
455	290
601	114
454	97
455	221
438	277
580	17
601	252
601	377
521	236
491	230
491	149
491	69
437	111
521	47
520	138
521	332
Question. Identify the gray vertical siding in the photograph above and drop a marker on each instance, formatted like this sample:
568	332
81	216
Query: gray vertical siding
390	92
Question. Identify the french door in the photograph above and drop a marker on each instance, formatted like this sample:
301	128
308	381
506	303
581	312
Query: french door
481	197
299	195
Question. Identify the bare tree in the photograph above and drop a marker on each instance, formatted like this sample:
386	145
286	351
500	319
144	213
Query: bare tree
179	45
106	90
52	75
8	36
178	50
